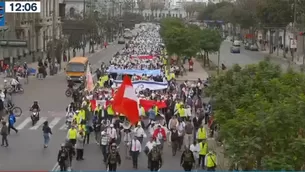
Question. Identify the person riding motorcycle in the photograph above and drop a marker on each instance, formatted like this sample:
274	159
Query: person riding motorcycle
71	84
35	106
15	83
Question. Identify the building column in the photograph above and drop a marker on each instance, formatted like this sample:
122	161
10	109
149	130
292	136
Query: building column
40	40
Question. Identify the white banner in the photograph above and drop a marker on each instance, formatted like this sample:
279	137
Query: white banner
142	85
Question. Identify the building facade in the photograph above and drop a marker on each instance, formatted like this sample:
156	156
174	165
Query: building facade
159	14
35	28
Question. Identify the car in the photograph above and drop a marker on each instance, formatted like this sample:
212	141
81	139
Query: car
247	46
253	47
235	49
121	41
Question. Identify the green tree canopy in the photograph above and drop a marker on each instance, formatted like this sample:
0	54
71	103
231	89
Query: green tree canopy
274	13
260	111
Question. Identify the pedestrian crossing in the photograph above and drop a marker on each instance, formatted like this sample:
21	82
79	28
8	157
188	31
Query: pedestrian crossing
55	123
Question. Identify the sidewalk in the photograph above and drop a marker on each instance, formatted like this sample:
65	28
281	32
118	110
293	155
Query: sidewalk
63	64
198	72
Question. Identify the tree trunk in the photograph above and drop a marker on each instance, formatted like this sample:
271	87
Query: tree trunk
284	52
270	42
208	59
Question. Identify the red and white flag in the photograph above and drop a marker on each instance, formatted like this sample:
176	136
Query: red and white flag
125	101
89	80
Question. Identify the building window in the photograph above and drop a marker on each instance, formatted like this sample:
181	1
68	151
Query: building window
180	15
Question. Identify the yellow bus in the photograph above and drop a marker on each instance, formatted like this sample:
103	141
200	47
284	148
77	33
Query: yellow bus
76	69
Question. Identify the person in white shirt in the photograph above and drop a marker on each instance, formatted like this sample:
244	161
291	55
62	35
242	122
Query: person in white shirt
195	148
2	96
104	143
111	132
139	133
15	83
135	150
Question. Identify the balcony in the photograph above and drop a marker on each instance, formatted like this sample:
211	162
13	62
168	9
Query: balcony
22	24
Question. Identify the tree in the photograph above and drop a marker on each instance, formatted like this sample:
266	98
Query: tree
190	8
179	38
274	13
129	5
209	42
260	111
207	12
141	5
130	19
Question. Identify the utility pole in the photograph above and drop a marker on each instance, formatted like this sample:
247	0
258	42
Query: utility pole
53	55
83	36
294	26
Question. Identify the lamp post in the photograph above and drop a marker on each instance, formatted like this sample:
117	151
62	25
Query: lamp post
53	44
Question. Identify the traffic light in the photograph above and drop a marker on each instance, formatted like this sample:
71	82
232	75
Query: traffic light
302	33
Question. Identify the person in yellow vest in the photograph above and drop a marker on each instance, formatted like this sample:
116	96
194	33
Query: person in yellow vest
210	161
142	111
181	112
72	135
201	134
110	112
82	114
77	118
156	109
203	152
98	111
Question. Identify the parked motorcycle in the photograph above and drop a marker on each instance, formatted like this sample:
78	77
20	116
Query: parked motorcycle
34	116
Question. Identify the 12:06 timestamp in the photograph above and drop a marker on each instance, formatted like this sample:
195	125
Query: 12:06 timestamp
22	7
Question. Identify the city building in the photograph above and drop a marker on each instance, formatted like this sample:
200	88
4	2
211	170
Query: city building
159	14
34	28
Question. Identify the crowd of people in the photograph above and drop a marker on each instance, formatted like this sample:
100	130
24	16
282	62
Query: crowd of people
175	115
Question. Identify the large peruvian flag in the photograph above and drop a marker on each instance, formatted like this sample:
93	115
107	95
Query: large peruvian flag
125	101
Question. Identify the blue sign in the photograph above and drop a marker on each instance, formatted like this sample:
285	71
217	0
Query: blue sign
2	14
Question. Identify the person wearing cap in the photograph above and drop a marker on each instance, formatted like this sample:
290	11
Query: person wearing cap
62	158
111	132
210	161
139	132
113	159
155	158
202	153
135	149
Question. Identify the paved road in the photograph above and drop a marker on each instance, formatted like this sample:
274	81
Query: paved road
94	161
26	147
245	57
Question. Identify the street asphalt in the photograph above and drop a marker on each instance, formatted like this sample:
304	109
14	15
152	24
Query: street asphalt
245	57
25	151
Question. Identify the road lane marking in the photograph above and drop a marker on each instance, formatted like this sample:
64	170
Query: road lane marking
54	122
39	123
63	127
55	168
24	123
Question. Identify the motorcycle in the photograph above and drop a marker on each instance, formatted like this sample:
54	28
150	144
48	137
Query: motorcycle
34	116
69	92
